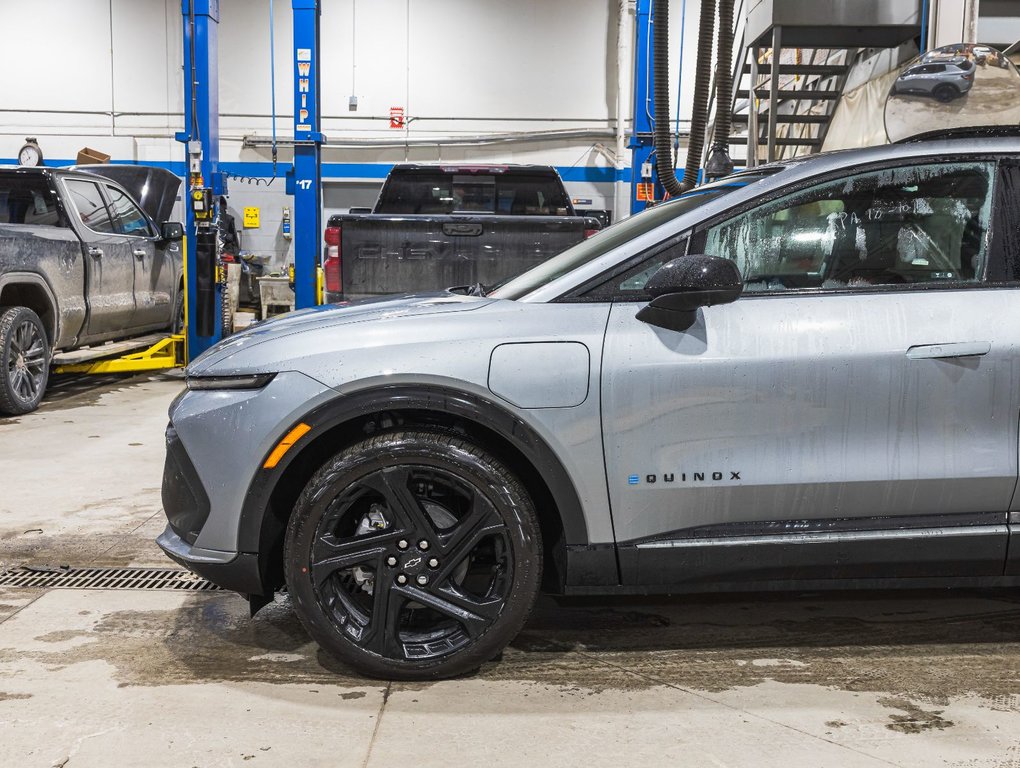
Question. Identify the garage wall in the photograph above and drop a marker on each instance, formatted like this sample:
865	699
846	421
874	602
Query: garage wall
108	74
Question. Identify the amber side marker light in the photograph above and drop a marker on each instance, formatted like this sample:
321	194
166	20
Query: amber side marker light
285	445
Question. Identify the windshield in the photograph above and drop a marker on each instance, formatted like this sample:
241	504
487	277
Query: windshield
618	234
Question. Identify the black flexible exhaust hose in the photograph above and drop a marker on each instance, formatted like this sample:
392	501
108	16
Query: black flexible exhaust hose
699	114
660	85
719	163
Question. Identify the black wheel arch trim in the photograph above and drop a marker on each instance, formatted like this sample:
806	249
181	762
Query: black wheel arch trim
448	401
37	281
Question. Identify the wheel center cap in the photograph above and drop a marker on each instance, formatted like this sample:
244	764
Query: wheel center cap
413	563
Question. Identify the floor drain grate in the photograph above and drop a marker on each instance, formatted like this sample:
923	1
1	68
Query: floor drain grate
105	578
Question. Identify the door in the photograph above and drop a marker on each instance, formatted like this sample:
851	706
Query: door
109	263
153	264
853	415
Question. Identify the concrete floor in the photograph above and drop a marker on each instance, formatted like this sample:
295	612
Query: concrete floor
111	678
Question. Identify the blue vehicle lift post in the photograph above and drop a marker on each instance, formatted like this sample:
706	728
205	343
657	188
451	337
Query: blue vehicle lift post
204	183
306	181
642	143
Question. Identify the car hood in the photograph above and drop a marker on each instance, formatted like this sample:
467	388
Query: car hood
383	309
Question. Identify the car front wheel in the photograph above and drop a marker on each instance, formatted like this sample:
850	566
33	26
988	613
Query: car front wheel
24	360
413	555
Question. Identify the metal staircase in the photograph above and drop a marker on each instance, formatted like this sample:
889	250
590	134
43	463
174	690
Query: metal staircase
795	59
805	95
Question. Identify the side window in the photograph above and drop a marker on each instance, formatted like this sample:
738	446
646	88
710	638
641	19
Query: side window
27	200
126	215
918	224
90	206
629	285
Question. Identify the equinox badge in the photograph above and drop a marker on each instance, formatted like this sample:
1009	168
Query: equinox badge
693	477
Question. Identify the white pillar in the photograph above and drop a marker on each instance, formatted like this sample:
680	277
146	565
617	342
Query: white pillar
952	21
624	86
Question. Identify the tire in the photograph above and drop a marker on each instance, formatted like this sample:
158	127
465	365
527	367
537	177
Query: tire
448	532
24	360
177	320
945	93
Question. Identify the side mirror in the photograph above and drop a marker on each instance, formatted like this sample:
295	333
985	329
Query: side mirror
171	230
682	285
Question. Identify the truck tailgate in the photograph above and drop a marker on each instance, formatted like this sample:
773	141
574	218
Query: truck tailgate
405	254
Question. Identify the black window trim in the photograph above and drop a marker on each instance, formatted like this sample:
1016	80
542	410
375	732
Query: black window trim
102	196
577	295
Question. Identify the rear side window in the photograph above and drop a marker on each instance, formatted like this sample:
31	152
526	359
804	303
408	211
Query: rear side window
28	200
504	194
90	206
126	215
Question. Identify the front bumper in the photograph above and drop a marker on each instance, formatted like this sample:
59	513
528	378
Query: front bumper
217	442
237	571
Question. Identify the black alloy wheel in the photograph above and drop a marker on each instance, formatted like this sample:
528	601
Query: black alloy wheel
24	360
413	555
946	93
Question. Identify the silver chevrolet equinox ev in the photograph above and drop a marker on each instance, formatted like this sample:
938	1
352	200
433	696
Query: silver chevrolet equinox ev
804	375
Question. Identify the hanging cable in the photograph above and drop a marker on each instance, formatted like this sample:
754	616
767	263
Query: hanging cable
256	180
702	85
680	81
272	80
195	133
719	162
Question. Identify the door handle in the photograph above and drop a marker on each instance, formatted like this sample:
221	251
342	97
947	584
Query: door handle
139	253
95	253
956	349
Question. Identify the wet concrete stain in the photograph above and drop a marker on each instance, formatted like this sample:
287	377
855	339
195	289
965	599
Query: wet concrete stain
916	719
14	696
66	392
82	549
948	647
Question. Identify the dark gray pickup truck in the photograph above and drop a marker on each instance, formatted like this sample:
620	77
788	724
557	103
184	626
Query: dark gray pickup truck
437	226
82	261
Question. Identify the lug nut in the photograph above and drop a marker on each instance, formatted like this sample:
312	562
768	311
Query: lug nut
423	545
391	561
402	544
433	562
401	578
423	580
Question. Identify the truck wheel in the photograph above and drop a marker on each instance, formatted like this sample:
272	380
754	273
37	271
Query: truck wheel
178	320
24	360
413	556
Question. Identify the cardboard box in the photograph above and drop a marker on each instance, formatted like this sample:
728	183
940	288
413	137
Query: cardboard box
89	156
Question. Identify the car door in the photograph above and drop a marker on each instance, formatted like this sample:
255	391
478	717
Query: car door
110	268
153	265
853	415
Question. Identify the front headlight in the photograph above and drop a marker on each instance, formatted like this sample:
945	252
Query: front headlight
247	381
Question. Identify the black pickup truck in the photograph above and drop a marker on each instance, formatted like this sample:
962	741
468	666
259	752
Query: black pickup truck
439	226
86	256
